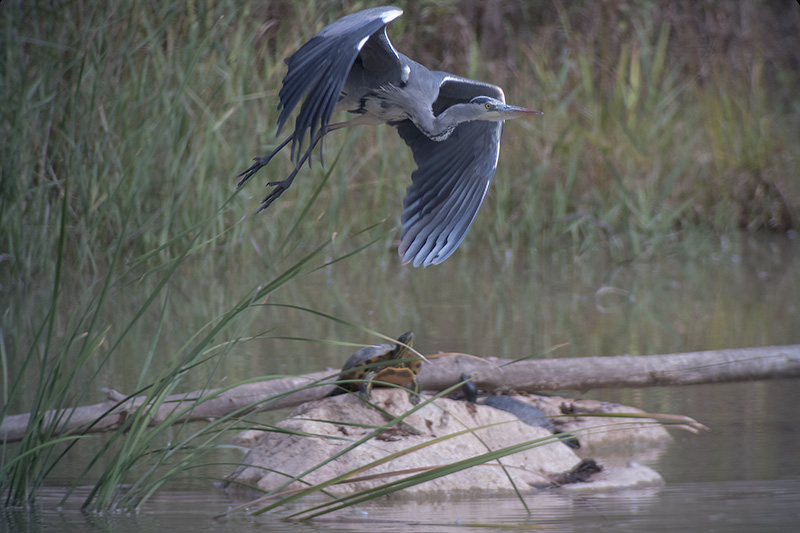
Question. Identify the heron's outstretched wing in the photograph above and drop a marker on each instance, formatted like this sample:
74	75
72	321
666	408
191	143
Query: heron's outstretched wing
320	67
451	179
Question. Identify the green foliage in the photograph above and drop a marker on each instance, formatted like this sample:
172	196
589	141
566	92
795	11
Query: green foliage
123	131
156	109
637	151
145	442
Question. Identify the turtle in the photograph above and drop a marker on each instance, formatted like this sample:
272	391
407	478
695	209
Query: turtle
394	364
527	413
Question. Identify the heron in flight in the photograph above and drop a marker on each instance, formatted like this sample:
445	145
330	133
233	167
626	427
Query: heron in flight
452	125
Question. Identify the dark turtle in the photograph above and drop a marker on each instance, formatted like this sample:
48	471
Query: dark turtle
580	473
533	416
394	364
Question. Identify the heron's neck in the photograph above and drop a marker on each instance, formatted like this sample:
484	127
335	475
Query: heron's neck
438	128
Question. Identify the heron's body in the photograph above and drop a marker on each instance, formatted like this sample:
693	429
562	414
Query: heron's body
452	125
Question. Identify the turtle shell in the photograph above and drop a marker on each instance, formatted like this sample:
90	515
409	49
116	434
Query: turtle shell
375	364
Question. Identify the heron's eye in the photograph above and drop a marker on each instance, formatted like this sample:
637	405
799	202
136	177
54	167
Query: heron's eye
488	106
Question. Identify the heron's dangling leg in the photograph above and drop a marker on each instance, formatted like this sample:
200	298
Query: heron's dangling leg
284	184
261	162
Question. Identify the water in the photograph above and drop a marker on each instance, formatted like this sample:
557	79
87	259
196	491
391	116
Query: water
744	475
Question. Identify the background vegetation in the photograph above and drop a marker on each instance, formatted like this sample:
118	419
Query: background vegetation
660	116
123	130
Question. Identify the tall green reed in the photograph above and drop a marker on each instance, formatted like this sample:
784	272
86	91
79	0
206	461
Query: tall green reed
122	130
161	102
139	447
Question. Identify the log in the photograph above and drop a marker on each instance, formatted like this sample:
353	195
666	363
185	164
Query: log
201	405
445	370
623	371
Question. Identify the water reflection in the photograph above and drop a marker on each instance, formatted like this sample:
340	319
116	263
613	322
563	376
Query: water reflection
742	474
753	427
556	304
728	506
595	306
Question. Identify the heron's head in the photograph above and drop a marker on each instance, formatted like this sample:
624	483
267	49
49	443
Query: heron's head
494	110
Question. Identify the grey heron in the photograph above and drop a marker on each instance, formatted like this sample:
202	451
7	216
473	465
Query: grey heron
453	125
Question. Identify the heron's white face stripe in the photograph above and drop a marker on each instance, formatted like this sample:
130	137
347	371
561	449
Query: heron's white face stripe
362	42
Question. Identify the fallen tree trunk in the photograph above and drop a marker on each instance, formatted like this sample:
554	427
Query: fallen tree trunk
624	371
200	405
444	370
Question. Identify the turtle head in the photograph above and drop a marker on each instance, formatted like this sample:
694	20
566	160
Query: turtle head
404	343
406	338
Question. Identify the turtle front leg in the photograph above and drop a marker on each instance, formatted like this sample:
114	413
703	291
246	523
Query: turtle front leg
413	394
366	386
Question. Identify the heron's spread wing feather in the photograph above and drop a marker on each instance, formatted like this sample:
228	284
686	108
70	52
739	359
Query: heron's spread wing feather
447	190
452	176
320	67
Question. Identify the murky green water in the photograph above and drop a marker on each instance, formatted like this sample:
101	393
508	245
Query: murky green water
723	298
743	475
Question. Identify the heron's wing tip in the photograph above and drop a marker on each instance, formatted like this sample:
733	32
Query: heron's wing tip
447	190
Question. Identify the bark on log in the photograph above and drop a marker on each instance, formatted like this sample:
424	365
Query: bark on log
624	371
444	370
111	414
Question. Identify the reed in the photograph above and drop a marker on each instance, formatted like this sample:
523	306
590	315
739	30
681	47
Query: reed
158	108
123	132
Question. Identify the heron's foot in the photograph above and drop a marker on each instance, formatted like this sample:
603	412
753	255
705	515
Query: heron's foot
259	162
280	187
